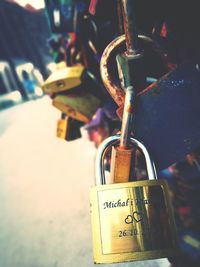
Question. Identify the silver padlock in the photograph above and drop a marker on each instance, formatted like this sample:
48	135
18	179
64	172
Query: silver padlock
134	220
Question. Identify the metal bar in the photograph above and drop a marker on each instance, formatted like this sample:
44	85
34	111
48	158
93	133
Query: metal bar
127	118
120	17
130	26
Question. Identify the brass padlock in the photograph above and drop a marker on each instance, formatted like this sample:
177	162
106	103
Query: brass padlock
68	128
64	79
62	125
81	106
134	220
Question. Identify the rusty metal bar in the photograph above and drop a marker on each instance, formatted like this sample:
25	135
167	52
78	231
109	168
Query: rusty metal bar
127	118
130	26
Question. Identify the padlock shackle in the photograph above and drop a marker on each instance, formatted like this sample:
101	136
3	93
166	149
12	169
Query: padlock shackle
113	140
117	46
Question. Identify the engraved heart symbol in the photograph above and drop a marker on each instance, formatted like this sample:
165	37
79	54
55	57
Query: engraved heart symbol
129	219
137	216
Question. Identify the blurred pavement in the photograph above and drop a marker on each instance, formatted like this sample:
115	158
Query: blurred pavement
44	192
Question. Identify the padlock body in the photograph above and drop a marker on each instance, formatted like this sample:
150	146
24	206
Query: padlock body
69	129
63	79
78	106
132	221
62	128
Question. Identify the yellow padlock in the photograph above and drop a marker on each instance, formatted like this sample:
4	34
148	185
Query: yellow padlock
80	106
64	79
131	221
62	128
68	128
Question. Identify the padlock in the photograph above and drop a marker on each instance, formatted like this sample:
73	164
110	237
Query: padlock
80	106
64	79
75	92
68	128
62	125
73	79
134	220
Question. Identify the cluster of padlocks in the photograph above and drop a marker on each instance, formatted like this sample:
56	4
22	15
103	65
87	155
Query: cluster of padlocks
116	76
76	87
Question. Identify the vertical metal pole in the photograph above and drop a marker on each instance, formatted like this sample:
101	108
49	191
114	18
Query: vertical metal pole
128	7
122	156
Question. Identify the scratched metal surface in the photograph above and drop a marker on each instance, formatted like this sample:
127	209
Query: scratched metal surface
167	116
